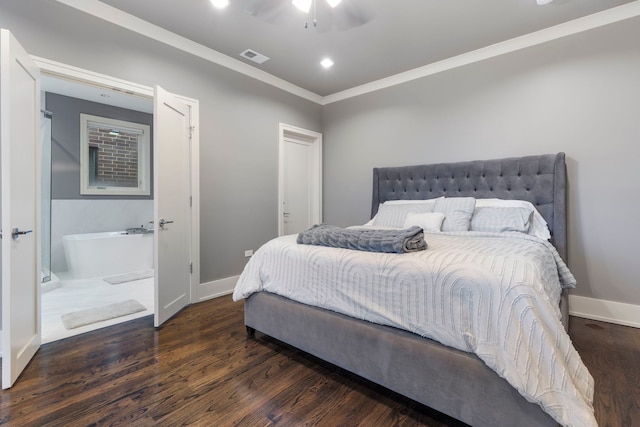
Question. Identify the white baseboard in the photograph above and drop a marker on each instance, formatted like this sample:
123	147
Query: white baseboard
216	288
606	311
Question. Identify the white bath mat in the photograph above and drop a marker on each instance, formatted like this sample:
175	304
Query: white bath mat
98	314
128	277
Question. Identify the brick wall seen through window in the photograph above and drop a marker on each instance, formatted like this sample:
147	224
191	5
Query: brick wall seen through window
113	157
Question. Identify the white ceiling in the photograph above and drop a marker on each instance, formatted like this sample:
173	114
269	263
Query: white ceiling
367	39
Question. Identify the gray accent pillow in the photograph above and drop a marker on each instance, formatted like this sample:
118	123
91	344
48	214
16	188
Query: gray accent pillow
394	215
500	219
457	212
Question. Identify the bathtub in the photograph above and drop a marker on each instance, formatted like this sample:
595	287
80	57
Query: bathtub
105	254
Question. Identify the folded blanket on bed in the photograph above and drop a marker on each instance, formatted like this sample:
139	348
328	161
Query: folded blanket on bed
371	240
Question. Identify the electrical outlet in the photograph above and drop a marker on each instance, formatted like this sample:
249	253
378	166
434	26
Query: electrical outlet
248	253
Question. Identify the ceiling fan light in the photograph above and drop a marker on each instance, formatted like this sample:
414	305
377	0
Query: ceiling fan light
220	4
543	2
333	3
303	5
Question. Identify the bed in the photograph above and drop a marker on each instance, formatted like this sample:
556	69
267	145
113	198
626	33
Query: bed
455	382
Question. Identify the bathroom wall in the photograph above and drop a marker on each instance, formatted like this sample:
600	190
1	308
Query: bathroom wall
71	212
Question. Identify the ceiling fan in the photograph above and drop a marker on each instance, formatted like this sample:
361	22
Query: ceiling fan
323	15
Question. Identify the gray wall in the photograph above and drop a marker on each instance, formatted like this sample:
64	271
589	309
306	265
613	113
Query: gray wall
239	119
65	142
579	95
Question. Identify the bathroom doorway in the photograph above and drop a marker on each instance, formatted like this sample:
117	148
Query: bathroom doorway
94	269
105	89
20	341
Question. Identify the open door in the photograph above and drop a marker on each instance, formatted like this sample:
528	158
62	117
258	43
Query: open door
19	136
172	213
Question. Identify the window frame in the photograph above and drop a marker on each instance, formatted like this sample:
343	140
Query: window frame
144	157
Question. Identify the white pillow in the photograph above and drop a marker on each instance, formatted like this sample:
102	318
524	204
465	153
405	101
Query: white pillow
430	222
393	215
457	212
498	219
538	226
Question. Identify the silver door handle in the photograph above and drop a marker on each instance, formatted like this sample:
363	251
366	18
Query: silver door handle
15	233
163	222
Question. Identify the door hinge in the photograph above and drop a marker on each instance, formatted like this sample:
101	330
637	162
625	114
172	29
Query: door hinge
190	267
191	129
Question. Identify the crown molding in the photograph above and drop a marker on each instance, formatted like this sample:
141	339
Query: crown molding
108	13
116	16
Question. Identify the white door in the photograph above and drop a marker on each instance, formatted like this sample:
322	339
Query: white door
172	212
300	186
296	203
19	136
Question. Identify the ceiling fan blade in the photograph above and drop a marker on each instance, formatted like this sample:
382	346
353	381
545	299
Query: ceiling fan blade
267	10
347	15
352	15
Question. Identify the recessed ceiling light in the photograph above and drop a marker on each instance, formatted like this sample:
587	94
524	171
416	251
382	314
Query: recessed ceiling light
326	63
543	2
220	4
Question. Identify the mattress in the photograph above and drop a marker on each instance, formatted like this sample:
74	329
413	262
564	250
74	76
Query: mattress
494	295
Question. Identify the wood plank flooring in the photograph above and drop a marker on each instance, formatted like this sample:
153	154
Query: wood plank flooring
201	369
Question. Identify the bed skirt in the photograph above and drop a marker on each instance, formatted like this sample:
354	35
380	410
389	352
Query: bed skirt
456	383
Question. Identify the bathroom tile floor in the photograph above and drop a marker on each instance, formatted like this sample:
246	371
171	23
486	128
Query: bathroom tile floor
74	295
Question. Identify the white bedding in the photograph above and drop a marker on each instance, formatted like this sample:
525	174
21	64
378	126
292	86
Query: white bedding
495	295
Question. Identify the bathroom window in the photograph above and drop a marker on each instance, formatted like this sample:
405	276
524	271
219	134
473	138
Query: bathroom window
114	157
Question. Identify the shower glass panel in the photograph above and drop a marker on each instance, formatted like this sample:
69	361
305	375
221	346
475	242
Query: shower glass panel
45	185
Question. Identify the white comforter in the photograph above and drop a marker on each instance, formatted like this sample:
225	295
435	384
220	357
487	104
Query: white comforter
495	295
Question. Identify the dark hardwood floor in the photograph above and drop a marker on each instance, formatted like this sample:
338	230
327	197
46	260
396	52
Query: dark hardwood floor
201	369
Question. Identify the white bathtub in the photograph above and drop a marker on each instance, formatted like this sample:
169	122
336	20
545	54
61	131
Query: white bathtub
105	254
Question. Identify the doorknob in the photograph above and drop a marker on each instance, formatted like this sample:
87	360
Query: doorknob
15	233
163	222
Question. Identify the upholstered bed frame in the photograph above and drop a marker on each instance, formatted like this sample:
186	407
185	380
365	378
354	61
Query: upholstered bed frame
456	383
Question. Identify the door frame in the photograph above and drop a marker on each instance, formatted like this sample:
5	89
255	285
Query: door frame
285	132
109	83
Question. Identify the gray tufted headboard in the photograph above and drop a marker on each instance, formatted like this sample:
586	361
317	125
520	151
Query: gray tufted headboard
540	180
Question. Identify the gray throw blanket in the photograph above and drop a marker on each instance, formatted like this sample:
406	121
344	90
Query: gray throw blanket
371	240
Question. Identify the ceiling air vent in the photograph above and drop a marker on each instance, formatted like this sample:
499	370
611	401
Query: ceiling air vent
254	56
